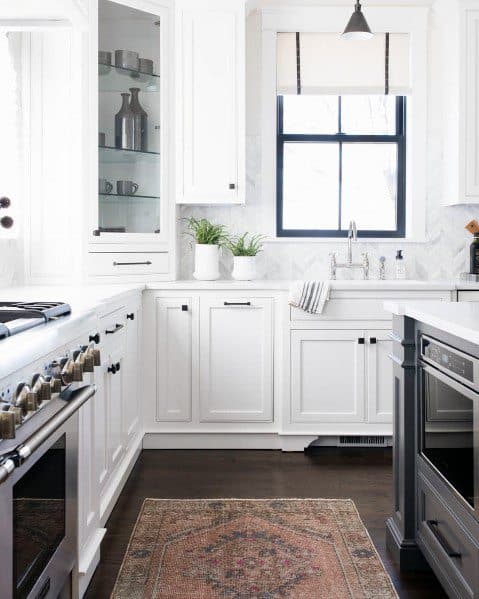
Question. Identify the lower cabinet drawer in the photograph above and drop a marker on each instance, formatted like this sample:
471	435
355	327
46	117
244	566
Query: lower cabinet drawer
451	550
126	263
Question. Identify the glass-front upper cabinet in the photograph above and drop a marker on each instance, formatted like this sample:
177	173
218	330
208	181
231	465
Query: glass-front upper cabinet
129	132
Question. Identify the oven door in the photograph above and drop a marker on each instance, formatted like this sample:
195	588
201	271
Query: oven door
449	436
38	515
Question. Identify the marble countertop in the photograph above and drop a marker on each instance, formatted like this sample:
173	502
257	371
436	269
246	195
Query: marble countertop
460	319
283	285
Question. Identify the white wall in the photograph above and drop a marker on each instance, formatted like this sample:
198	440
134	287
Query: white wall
444	255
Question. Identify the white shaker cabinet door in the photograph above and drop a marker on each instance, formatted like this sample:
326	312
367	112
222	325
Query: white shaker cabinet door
471	96
327	376
114	397
236	359
380	377
174	359
131	378
211	102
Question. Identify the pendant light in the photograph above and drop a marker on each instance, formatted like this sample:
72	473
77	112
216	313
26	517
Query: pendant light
357	28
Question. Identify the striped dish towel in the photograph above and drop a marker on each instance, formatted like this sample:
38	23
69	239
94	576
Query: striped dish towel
309	296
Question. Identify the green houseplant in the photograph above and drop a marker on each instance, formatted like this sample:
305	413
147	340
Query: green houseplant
245	248
208	238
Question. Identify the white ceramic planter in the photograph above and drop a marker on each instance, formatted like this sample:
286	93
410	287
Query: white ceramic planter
244	268
206	262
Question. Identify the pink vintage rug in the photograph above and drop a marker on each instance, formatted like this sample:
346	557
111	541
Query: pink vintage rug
251	549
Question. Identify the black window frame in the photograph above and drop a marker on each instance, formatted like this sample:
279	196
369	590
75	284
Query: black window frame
399	139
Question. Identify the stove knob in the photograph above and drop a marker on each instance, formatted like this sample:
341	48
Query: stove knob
32	402
96	357
21	397
55	384
41	387
78	368
67	372
88	362
17	412
7	425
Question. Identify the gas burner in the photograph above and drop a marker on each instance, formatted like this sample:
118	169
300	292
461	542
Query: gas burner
16	317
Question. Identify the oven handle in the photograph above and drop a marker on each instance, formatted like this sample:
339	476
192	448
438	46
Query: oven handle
76	397
450	382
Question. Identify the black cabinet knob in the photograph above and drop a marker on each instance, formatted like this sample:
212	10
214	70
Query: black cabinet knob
131	316
184	308
118	366
95	338
112	369
361	340
232	186
5	202
6	222
373	340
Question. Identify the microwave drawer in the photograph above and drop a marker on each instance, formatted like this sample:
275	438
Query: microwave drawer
451	550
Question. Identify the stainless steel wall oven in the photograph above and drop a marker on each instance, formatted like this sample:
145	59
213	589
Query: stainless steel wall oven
449	412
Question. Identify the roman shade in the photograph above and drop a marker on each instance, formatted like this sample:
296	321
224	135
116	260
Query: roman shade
324	63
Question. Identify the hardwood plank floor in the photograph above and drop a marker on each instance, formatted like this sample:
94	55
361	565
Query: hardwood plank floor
364	475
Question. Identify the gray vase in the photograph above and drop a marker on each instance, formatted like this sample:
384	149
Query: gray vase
140	122
124	125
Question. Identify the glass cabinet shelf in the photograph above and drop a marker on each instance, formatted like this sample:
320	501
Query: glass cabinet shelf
118	79
114	197
110	154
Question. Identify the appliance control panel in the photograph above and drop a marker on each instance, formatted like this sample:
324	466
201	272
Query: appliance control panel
32	388
448	359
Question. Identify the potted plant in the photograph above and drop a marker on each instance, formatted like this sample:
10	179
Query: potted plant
208	237
244	252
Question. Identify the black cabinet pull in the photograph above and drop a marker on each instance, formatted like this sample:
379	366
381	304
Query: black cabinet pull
373	340
361	340
232	186
237	303
433	526
112	369
184	308
130	316
147	263
95	338
117	328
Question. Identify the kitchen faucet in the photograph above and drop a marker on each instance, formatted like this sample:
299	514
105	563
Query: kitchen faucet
349	264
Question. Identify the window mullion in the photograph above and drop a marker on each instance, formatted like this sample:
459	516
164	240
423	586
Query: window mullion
340	187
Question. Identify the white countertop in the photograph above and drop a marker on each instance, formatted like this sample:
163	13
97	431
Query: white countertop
460	319
81	298
283	285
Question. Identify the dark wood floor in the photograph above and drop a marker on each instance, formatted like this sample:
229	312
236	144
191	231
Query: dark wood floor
363	475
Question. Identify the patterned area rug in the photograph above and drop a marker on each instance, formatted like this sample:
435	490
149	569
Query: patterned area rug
251	549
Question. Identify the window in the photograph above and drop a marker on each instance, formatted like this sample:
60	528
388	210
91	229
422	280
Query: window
341	158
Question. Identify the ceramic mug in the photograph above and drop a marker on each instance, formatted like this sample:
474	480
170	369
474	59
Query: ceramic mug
104	186
126	188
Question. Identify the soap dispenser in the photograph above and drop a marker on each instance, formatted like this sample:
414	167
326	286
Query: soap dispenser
400	265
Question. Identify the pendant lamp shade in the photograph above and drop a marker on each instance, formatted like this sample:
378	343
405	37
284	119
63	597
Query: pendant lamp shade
357	28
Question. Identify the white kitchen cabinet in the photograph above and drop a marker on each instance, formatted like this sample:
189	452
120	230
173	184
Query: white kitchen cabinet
174	358
379	376
114	395
211	102
131	228
236	359
461	87
327	376
131	380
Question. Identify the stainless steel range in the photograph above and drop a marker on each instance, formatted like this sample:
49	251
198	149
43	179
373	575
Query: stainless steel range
39	404
16	317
